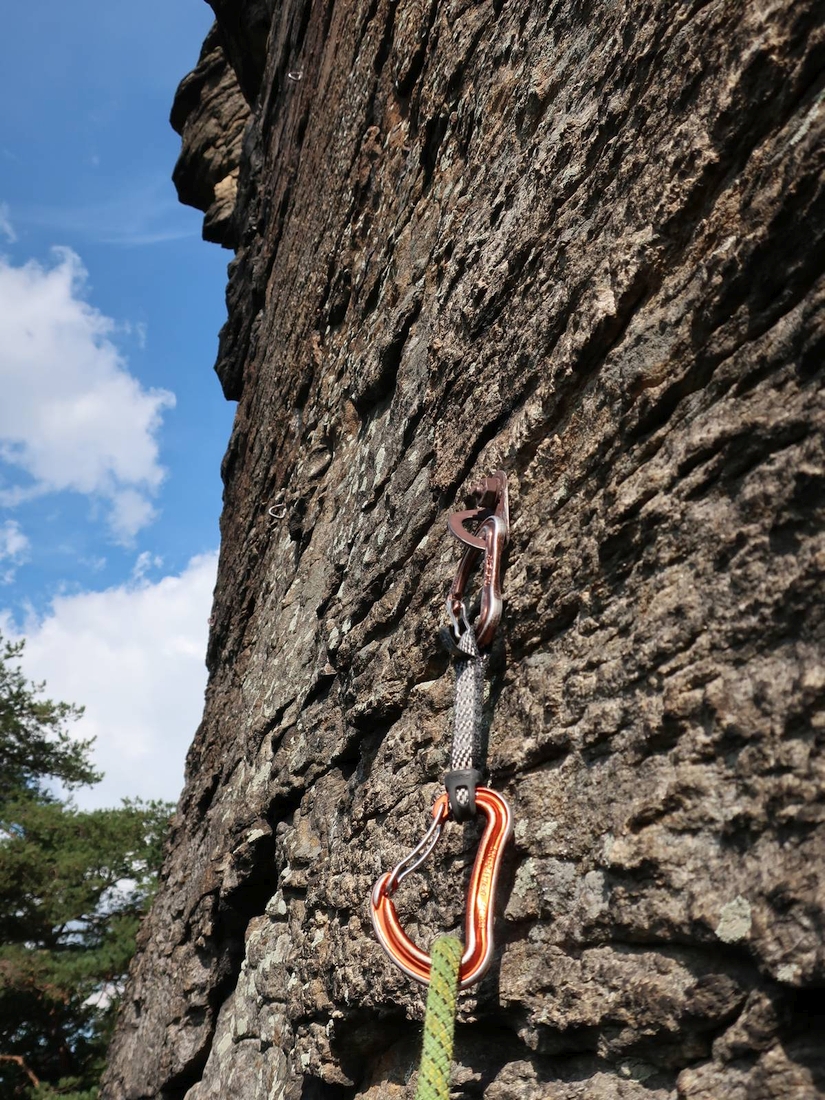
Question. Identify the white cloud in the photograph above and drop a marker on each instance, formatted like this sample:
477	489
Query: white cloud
6	228
130	512
72	416
134	657
13	549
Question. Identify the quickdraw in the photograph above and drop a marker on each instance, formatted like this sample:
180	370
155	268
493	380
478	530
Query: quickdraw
463	796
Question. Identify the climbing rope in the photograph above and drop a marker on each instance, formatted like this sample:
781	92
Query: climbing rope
439	1021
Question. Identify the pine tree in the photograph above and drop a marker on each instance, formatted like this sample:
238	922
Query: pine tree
73	887
35	745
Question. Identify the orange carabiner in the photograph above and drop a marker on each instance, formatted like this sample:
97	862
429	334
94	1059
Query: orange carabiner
478	925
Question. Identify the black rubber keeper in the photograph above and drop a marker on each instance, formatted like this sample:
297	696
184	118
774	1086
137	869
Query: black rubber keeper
467	779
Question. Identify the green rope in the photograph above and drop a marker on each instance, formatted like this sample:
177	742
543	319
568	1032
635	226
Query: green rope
439	1020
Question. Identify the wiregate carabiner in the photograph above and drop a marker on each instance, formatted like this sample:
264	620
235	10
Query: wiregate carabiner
492	533
480	914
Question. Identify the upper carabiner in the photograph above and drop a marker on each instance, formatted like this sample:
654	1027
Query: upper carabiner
490	537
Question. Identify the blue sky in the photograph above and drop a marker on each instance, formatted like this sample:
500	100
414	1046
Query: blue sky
112	422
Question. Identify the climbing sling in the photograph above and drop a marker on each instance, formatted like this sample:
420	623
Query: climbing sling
450	968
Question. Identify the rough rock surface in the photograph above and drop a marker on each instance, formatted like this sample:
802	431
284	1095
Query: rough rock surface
584	243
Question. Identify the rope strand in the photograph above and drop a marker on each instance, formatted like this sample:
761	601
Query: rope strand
439	1020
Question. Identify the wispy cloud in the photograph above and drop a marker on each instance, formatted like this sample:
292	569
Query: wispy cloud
6	228
14	546
73	417
144	212
145	562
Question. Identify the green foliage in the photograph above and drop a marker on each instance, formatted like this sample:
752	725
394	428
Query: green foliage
65	1089
73	887
34	742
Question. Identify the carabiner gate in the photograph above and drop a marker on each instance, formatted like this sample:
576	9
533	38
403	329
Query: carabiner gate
478	923
492	533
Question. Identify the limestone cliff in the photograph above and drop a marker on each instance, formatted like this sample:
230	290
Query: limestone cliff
582	242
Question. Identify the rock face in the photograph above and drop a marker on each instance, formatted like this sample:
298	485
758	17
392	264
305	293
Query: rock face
583	243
